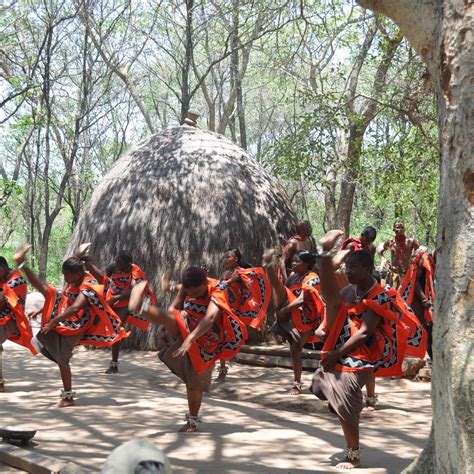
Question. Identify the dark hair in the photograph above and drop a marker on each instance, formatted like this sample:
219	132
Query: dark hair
238	256
193	276
362	257
124	256
110	269
398	222
302	224
73	265
370	232
307	257
3	262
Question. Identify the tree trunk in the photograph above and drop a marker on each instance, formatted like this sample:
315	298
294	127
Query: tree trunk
349	180
185	72
442	33
330	221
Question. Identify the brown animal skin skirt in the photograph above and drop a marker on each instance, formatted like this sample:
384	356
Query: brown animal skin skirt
343	391
183	368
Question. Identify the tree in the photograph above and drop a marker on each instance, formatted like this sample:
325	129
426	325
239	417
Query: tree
354	109
442	34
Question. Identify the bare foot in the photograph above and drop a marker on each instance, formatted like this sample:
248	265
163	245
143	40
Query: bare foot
187	428
270	258
351	460
294	391
68	402
136	297
367	410
192	424
112	369
222	374
320	333
20	254
339	258
328	241
165	282
82	249
348	464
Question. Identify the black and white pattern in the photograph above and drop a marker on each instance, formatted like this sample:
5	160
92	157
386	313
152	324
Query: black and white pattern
225	345
14	282
406	293
6	313
313	281
189	305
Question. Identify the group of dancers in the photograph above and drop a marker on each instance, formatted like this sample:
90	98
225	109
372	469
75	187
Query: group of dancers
332	296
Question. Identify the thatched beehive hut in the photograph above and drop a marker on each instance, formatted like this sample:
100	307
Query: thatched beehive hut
182	197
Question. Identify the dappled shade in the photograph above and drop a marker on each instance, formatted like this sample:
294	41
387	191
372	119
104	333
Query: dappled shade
182	197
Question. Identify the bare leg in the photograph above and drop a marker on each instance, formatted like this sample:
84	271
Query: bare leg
271	268
116	351
167	285
66	377
194	401
329	283
82	249
2	383
113	367
295	351
321	331
297	368
159	316
40	285
370	386
351	433
222	371
194	405
153	313
19	258
371	399
165	282
339	258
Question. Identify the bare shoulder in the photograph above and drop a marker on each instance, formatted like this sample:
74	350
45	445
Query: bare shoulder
290	245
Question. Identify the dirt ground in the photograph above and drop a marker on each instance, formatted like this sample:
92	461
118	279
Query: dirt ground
250	424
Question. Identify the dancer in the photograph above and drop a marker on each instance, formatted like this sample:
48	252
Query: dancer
417	290
365	335
364	242
301	241
78	315
248	292
14	280
201	328
416	343
401	251
14	324
120	278
300	309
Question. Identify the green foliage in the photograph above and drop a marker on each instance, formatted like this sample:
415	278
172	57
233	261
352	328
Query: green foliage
294	93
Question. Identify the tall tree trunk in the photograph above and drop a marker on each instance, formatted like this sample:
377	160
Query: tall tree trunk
43	245
186	70
442	33
237	78
349	180
330	221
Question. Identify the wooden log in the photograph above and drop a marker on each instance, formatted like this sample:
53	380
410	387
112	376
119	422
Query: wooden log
34	462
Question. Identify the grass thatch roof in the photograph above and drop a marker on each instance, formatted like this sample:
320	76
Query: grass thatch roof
182	197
